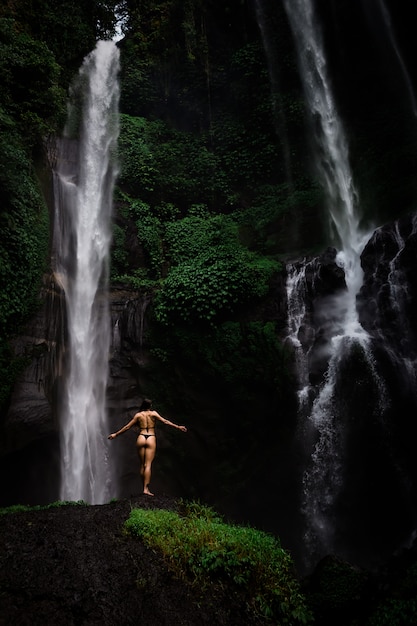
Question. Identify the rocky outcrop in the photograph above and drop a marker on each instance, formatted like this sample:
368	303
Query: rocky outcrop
388	298
387	305
41	347
75	565
314	283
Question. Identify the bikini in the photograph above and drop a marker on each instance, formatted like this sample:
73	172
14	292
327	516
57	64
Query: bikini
146	436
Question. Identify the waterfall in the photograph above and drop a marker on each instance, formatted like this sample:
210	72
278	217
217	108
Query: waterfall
324	476
84	181
296	303
397	336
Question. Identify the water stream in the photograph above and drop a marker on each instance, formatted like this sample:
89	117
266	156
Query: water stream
324	475
84	181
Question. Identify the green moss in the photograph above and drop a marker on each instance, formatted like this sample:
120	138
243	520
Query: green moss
199	546
18	508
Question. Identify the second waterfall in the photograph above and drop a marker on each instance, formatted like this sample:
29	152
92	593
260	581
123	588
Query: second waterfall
84	182
325	422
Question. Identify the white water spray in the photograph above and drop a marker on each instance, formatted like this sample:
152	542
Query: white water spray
324	476
401	351
84	182
296	304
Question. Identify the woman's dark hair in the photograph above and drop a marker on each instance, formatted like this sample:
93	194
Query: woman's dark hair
146	404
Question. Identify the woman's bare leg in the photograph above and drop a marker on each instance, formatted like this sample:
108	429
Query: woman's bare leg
146	452
141	453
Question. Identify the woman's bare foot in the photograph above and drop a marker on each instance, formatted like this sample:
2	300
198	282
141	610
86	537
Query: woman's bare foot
147	492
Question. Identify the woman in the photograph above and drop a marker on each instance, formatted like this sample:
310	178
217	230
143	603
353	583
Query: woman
146	419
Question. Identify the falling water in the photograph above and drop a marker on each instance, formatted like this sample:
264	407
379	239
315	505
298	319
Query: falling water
297	314
324	476
400	351
84	181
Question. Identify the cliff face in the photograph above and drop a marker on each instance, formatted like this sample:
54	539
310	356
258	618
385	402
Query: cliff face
191	390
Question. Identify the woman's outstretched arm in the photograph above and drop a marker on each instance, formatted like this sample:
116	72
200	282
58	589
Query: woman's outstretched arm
168	423
124	429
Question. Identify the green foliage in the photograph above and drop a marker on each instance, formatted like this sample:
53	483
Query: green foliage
138	166
70	28
212	273
395	612
210	135
398	607
163	165
137	280
29	76
19	508
24	224
248	154
149	234
120	262
248	356
25	231
187	238
166	60
216	283
31	103
199	546
274	202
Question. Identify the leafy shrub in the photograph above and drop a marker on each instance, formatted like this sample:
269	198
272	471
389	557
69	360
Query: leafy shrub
25	231
274	201
212	273
187	238
119	251
19	508
166	165
217	282
395	612
30	106
138	166
29	76
398	606
138	279
148	228
199	546
247	355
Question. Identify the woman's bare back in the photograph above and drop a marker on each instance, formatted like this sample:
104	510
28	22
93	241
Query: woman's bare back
146	420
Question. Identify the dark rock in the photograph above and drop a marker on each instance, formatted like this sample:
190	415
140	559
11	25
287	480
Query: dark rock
74	565
388	297
336	591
